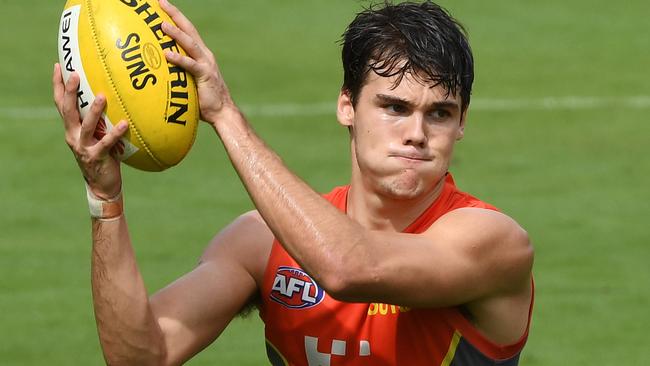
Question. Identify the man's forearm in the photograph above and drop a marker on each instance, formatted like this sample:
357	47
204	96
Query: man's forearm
128	331
314	232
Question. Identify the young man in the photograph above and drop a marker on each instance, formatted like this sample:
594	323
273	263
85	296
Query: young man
398	268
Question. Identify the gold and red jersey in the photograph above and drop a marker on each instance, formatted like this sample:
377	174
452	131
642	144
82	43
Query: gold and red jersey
306	327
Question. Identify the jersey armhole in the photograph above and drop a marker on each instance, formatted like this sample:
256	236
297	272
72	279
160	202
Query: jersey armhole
482	343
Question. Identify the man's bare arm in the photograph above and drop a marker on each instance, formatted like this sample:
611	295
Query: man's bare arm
468	257
128	330
196	308
185	316
351	262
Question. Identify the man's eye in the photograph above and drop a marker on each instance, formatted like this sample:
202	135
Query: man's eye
396	108
439	114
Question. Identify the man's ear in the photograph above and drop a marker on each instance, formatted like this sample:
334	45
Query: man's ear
461	128
344	109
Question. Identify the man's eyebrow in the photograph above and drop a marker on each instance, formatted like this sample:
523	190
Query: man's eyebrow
391	99
446	104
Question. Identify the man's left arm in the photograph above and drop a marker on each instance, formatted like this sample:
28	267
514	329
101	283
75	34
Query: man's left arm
466	254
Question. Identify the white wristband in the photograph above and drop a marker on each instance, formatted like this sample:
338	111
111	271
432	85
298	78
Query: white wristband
104	210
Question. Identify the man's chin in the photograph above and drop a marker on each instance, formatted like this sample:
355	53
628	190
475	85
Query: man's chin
408	186
403	188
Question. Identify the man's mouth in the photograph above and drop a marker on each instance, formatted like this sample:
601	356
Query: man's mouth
411	157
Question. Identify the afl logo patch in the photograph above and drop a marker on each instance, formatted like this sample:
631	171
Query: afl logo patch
293	288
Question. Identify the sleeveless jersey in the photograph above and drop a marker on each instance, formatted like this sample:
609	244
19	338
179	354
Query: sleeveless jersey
306	327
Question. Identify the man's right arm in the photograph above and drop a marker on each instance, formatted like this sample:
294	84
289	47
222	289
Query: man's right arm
194	310
127	327
182	318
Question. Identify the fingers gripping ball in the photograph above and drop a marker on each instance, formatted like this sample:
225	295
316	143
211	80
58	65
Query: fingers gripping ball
117	48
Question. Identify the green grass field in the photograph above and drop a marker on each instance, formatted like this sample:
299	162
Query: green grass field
557	137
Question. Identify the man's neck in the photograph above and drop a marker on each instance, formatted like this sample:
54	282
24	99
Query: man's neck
379	212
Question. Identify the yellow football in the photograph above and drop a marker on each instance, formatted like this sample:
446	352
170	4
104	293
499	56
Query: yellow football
117	48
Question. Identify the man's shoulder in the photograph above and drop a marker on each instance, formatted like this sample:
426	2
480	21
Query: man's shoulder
246	241
254	218
247	229
482	224
488	235
500	251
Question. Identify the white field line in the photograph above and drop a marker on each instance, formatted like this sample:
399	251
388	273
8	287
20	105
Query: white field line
323	109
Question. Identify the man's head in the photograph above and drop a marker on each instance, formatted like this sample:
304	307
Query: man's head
408	39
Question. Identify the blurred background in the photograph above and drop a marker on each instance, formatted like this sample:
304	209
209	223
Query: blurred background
558	137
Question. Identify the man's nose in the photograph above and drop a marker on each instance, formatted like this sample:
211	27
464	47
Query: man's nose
413	132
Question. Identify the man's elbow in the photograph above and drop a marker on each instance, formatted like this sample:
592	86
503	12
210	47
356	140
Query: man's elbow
355	274
349	282
152	355
523	254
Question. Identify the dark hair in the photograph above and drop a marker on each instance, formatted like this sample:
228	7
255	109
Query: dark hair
419	39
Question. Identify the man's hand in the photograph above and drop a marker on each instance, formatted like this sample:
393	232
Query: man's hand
214	97
98	164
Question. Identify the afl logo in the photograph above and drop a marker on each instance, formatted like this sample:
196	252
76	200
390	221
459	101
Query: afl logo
293	288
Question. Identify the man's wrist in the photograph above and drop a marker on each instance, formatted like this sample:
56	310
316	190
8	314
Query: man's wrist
226	114
104	209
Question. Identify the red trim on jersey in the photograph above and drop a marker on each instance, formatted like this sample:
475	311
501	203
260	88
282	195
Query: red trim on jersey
482	343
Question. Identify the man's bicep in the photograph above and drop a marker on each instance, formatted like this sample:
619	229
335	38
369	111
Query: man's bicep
462	257
483	253
196	308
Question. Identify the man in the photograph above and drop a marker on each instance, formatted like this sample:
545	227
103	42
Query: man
398	268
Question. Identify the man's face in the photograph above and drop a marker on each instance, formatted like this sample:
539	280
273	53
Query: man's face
402	137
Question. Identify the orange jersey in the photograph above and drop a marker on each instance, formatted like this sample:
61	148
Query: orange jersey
306	327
